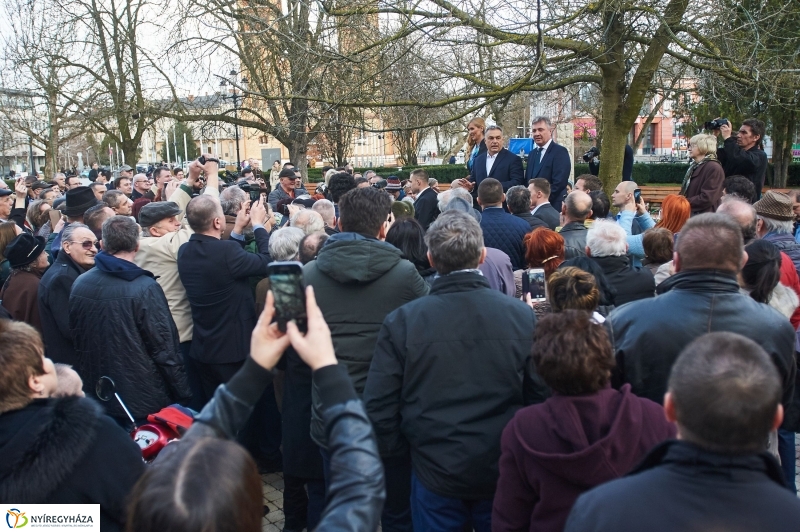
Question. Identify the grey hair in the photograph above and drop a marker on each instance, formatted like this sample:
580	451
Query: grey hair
325	209
606	239
367	175
114	198
59	174
231	200
455	242
308	221
777	226
120	234
518	199
443	199
492	128
139	176
461	193
66	234
284	244
537	119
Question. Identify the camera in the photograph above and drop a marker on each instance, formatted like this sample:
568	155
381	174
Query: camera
715	124
591	154
254	191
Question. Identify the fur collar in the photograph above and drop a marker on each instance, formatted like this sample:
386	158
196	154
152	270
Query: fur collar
49	438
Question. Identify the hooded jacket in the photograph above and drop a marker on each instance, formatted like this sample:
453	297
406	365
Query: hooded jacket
682	487
122	328
358	281
53	297
553	452
65	451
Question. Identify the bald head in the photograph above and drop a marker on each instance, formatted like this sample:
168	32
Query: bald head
578	206
742	213
308	221
204	214
623	194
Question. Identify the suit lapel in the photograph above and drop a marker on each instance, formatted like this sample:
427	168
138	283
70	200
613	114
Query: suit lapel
497	160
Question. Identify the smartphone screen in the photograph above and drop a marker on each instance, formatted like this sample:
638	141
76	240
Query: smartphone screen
637	195
536	284
286	283
255	195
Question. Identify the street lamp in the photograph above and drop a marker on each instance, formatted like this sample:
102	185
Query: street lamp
236	97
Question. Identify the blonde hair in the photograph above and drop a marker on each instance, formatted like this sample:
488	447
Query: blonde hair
481	123
704	143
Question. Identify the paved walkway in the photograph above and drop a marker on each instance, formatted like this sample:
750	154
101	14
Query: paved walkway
273	499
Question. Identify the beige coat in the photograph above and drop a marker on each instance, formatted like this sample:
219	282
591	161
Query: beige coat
159	256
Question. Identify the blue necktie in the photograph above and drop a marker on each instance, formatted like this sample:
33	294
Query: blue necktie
537	156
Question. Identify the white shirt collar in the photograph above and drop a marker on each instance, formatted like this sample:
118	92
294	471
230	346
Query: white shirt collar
547	145
540	205
490	156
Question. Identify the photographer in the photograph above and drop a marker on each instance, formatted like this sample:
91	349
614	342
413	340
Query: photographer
593	158
743	153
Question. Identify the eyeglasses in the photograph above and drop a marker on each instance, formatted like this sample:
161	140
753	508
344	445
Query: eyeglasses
86	244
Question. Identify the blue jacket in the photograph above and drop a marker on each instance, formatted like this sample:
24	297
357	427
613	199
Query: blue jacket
507	169
505	232
555	167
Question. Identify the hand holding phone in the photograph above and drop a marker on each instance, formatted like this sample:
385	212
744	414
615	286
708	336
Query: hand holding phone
533	283
316	347
286	284
55	216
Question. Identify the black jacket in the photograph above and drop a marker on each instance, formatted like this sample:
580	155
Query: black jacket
426	208
54	289
216	276
555	166
549	215
649	335
355	493
534	222
574	234
446	378
750	163
680	487
122	328
65	451
358	281
630	282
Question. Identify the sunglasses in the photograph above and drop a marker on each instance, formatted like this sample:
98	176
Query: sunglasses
86	244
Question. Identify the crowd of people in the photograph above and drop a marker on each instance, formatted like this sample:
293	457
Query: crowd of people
647	383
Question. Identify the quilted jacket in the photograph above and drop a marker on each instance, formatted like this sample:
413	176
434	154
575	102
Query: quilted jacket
121	327
505	232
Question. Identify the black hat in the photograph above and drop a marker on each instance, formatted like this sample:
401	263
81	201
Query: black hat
24	249
79	200
305	201
5	192
154	212
287	172
38	185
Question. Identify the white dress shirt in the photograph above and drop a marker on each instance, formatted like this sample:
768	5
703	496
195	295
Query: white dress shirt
544	149
490	159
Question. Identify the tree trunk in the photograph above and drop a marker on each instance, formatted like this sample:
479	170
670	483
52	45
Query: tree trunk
297	155
613	133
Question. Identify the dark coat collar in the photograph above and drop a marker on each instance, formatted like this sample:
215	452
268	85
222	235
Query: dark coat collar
458	282
689	455
715	281
574	226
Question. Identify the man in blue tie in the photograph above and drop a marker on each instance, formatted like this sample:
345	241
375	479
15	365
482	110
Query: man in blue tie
549	161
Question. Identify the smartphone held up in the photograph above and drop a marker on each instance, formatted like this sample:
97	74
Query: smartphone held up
533	283
286	283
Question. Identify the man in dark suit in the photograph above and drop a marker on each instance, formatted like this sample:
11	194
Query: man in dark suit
426	206
549	160
216	276
540	203
497	162
518	200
